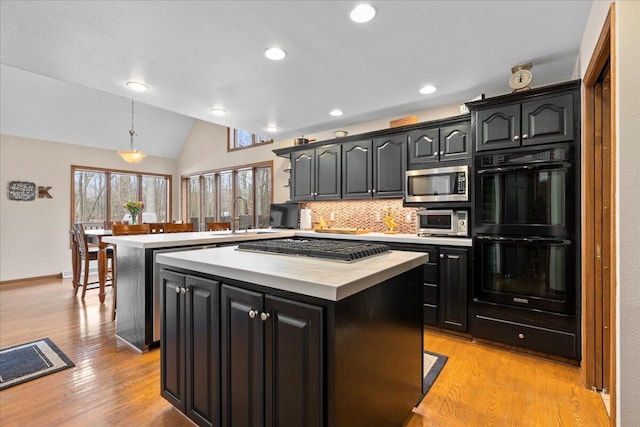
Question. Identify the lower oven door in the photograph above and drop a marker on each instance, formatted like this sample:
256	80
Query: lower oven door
536	273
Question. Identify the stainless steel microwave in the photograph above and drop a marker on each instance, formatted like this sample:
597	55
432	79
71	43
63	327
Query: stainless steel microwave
442	222
448	184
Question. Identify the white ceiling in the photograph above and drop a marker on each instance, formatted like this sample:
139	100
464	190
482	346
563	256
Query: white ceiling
65	63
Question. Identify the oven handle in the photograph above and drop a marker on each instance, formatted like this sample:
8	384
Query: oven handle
538	166
525	240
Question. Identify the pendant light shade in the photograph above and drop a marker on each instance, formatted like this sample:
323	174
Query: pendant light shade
132	155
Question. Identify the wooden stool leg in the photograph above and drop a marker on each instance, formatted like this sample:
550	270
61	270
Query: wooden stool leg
86	277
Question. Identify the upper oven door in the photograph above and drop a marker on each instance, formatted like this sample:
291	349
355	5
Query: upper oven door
532	200
449	184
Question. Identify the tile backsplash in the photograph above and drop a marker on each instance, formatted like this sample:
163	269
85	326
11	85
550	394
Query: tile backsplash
364	214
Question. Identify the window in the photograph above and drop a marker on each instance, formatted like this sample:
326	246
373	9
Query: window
100	193
211	195
238	139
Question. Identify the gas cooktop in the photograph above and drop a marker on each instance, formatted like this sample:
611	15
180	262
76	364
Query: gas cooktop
339	250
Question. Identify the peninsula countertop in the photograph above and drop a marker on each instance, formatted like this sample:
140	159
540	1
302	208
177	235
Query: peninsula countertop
320	278
163	240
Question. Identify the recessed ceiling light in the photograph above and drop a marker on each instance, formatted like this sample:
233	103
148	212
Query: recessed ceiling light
275	53
336	113
218	112
362	13
138	86
272	128
428	89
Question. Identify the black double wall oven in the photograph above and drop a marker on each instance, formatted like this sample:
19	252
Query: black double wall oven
524	228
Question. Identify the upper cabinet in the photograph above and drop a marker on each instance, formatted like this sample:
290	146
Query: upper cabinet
529	121
432	145
374	168
315	173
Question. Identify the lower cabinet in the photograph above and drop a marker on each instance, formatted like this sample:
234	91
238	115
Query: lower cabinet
271	360
445	289
190	331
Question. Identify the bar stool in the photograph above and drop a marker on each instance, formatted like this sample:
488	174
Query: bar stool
218	226
178	228
86	253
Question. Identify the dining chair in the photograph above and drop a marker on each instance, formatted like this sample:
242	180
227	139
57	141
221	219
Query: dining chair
85	254
178	228
218	226
123	230
156	227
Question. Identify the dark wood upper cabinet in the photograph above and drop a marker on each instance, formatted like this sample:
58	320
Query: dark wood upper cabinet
315	174
389	165
541	120
427	146
357	177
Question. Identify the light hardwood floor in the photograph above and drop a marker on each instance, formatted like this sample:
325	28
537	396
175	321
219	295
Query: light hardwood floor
112	385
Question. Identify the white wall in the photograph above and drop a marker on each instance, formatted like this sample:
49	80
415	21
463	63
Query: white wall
628	202
628	227
206	147
34	236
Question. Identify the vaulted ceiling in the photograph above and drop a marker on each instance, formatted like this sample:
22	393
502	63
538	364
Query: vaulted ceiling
65	63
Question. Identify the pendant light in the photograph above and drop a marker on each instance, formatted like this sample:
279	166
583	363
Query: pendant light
132	155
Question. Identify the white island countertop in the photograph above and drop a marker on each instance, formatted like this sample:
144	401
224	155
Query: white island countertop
315	277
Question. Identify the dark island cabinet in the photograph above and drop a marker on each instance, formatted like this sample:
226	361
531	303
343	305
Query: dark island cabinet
432	145
315	174
374	168
189	368
541	120
271	360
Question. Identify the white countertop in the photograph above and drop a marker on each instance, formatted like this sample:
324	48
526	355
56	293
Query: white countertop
165	240
321	278
397	238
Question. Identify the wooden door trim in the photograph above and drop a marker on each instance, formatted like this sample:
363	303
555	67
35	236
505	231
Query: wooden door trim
604	52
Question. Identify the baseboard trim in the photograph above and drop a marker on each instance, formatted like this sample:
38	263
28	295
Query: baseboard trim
32	279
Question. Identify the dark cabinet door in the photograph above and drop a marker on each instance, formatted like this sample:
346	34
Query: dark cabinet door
452	305
293	363
357	160
424	146
455	142
303	175
242	357
328	173
548	120
202	349
389	165
172	340
498	128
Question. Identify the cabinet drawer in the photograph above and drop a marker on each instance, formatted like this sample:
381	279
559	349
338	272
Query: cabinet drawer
431	272
430	314
430	294
530	337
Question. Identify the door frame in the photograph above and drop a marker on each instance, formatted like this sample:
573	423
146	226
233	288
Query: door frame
603	55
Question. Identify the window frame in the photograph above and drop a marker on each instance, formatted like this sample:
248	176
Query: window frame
185	179
108	172
231	141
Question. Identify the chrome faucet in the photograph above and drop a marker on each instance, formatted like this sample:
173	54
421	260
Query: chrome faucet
236	216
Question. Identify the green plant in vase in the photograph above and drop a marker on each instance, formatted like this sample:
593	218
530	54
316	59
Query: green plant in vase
134	208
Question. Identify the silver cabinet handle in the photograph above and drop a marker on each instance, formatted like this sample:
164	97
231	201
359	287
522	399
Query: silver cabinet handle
442	153
184	290
177	289
435	154
525	136
441	255
516	138
252	313
521	336
373	191
264	316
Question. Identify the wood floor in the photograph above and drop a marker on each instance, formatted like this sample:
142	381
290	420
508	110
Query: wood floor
112	385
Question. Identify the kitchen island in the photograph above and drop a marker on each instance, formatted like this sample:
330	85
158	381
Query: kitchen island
263	339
